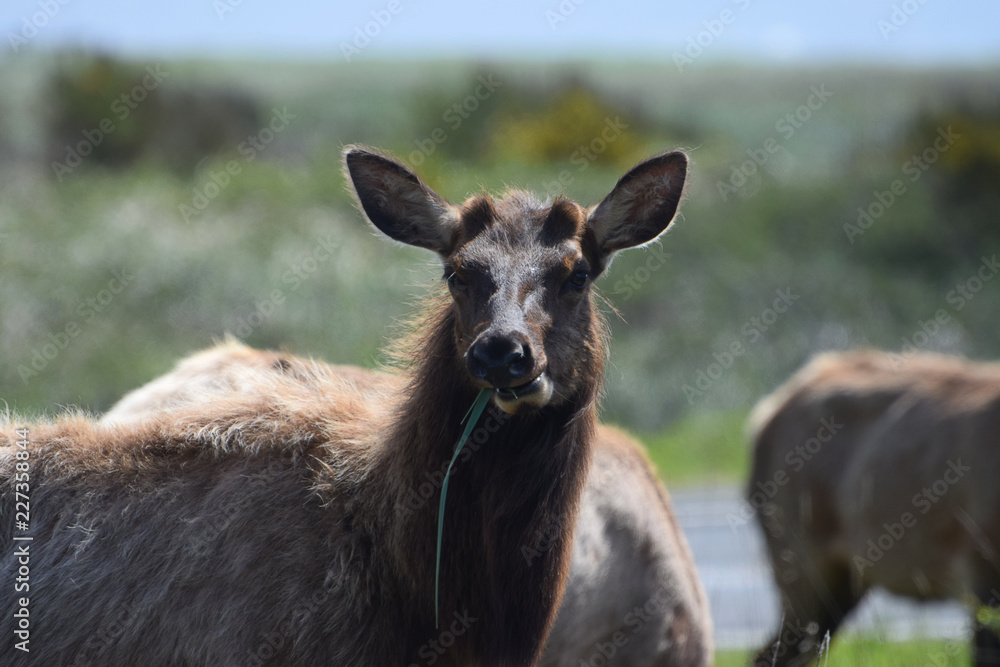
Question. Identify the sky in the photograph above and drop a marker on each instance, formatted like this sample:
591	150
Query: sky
918	32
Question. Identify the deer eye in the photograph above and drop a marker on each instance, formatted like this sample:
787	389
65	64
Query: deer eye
456	282
578	280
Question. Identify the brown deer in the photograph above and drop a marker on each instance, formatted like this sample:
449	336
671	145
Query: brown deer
633	596
320	560
873	469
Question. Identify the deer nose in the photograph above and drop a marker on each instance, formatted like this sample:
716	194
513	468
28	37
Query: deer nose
500	360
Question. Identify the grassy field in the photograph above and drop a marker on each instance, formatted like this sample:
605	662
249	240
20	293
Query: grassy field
758	228
871	652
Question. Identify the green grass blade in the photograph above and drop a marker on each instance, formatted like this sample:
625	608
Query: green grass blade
475	411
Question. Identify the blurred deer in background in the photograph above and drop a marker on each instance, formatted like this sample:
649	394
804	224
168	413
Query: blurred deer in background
871	469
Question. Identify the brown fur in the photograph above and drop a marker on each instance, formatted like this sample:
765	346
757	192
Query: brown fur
899	427
628	551
318	559
633	591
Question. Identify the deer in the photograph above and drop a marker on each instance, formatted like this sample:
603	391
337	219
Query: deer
878	469
632	577
320	560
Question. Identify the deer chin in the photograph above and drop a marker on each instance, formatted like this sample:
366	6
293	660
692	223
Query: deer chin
531	395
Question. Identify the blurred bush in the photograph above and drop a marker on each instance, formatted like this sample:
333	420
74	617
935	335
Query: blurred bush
947	166
491	117
85	92
965	183
113	113
574	124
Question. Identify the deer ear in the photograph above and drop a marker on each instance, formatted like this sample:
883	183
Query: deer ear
642	204
399	203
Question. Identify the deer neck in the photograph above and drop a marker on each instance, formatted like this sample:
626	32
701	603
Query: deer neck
511	503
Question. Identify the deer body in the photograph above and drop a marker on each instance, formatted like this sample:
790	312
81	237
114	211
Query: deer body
880	472
320	561
628	551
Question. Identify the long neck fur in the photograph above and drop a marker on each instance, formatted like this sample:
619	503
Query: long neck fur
518	489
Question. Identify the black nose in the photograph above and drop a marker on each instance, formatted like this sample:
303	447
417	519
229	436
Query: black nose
500	360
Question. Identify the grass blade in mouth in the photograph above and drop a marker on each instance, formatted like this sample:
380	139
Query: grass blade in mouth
475	411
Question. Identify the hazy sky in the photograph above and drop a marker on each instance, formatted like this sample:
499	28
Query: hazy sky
897	31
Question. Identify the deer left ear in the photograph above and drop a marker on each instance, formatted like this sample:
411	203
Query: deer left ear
398	203
642	204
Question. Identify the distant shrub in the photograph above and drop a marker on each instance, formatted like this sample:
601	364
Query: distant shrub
109	112
970	169
575	122
963	179
83	94
937	212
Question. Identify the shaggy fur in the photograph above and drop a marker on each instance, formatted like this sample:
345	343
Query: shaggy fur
632	583
629	553
872	469
278	528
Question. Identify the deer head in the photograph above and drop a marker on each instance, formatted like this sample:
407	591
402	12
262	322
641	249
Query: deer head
520	271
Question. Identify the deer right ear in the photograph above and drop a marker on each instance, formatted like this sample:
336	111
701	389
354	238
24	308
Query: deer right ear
642	204
398	203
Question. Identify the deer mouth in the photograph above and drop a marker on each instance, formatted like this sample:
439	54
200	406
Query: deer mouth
534	393
521	389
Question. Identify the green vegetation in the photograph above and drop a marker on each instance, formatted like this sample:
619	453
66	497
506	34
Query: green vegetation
771	261
702	447
861	651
